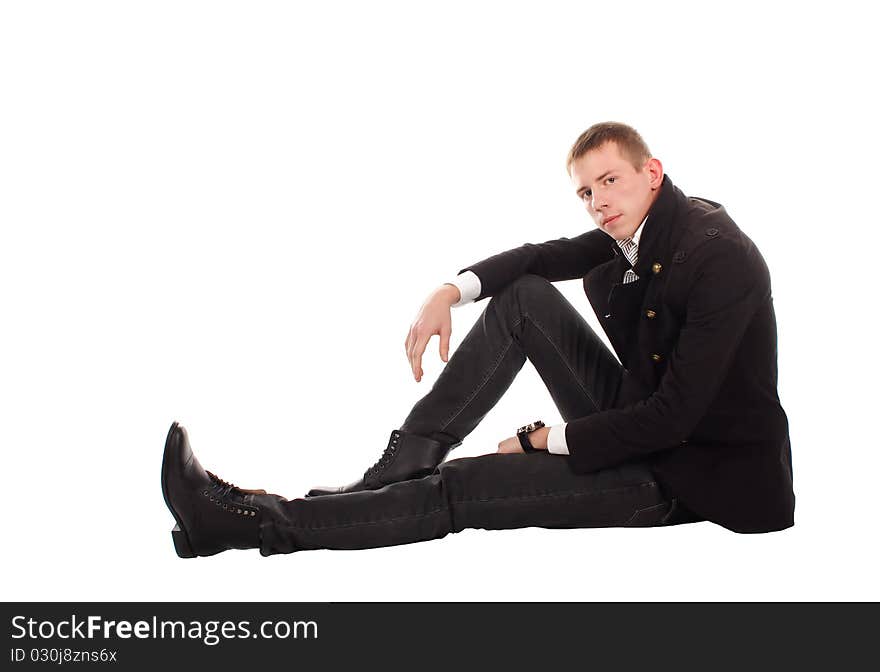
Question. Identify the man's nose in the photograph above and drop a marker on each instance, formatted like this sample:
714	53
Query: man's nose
597	202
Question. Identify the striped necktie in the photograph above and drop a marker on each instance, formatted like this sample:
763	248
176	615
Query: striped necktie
631	251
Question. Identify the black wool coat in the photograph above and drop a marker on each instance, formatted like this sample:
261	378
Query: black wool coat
696	335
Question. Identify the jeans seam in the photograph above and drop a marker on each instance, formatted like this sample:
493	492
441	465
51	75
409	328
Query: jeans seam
393	519
540	328
548	495
643	509
490	500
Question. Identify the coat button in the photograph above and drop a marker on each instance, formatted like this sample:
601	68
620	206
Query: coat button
712	232
656	357
679	257
650	314
656	267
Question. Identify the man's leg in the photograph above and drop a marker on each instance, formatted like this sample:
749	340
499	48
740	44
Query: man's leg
494	492
528	319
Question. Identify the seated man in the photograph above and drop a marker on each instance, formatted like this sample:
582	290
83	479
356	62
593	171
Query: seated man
687	427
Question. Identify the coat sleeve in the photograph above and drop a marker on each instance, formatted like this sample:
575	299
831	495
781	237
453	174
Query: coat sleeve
725	292
560	259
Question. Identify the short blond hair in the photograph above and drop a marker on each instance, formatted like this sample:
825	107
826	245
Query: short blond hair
628	141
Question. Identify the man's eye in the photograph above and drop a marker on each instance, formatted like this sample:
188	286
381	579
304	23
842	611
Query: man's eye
611	179
586	195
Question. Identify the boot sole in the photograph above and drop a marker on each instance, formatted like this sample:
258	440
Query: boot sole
182	544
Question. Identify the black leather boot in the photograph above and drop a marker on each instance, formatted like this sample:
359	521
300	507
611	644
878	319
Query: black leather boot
407	456
212	515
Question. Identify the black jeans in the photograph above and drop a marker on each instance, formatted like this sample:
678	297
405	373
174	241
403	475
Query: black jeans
528	319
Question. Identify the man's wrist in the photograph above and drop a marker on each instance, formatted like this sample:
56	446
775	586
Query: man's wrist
538	438
469	287
452	291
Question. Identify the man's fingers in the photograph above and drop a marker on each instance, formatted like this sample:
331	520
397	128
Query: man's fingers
418	351
415	357
416	343
411	343
444	343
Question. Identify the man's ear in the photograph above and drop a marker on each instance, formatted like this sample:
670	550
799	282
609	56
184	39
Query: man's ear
655	169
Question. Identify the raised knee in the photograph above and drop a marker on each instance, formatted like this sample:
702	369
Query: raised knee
526	288
530	281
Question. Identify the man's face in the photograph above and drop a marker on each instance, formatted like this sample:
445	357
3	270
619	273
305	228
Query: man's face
616	195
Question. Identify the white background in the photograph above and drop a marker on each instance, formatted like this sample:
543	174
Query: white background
228	214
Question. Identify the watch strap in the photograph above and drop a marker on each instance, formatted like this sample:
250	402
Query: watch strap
525	443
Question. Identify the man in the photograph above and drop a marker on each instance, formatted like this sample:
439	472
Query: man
687	427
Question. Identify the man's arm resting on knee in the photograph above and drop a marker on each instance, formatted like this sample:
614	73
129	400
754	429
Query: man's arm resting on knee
560	259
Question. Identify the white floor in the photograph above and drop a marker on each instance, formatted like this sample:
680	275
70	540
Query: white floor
229	216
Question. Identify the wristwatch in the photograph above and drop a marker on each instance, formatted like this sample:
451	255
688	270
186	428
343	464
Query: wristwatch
523	434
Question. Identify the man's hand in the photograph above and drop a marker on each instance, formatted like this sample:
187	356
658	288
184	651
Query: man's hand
434	318
538	439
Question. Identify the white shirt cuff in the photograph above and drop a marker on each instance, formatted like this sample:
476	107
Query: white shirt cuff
556	440
469	285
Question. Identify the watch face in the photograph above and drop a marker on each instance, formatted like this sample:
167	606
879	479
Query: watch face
531	427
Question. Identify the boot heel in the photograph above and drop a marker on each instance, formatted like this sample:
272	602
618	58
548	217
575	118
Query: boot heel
181	543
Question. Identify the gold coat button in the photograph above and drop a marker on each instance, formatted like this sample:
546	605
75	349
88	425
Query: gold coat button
650	314
656	357
656	267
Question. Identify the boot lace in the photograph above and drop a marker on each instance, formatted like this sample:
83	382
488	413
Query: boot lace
225	487
387	455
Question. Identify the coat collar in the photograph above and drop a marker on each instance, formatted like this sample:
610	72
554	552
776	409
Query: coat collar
656	236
